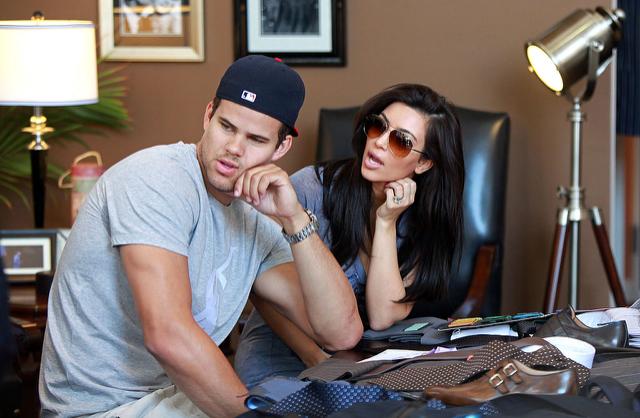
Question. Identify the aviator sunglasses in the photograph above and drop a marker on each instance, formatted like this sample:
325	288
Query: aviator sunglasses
400	142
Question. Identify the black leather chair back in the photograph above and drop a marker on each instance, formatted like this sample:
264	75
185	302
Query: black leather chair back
485	138
6	337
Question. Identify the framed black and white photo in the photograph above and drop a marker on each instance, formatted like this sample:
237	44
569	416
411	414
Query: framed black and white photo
151	30
27	252
300	32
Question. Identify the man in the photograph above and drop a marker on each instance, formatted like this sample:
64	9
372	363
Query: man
164	252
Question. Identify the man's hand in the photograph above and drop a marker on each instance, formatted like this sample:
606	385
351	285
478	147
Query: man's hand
268	189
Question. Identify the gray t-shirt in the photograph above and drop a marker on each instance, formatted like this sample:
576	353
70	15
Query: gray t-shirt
94	357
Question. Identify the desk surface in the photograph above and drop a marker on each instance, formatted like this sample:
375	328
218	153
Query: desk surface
24	304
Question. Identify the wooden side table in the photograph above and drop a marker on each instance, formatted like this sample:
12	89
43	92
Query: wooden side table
28	301
26	305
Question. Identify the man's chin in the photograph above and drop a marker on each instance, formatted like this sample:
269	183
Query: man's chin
217	187
226	189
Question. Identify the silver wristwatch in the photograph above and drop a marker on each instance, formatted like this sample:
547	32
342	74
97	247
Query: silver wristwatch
305	232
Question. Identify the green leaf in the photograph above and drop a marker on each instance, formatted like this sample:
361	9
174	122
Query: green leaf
17	191
71	123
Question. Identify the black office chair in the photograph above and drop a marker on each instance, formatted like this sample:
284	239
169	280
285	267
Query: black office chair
475	287
20	349
10	382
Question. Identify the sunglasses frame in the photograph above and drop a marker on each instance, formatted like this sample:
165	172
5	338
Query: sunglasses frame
387	128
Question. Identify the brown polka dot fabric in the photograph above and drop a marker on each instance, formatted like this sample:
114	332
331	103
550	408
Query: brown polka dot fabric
338	368
418	378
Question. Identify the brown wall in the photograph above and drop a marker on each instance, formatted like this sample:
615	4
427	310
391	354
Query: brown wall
471	51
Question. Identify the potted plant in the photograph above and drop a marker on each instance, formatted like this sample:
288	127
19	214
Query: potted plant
71	123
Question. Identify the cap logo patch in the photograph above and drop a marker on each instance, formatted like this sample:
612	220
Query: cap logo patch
248	96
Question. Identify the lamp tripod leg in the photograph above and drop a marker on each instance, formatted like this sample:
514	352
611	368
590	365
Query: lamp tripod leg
604	247
556	263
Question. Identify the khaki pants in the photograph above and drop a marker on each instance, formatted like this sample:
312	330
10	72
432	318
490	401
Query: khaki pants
163	403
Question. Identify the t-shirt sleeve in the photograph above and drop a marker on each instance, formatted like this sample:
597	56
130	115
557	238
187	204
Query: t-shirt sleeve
152	201
308	188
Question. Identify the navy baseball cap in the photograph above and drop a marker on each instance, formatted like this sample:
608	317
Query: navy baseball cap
265	85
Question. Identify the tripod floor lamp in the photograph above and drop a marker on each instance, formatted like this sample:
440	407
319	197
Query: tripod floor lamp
580	45
46	63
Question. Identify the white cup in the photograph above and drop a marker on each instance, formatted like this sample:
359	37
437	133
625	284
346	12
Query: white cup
577	350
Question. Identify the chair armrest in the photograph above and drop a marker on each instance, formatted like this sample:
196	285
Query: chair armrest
482	268
29	335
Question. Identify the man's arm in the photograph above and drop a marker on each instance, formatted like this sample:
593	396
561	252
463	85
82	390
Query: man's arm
317	282
303	345
330	300
159	281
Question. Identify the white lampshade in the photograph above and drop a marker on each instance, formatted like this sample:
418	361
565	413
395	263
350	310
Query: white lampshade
47	63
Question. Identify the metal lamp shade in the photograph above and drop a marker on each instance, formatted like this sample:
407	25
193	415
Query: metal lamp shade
560	56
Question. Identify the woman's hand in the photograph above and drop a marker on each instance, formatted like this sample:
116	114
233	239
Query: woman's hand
400	195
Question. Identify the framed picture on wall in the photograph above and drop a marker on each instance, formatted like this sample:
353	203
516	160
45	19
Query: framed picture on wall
25	252
151	30
300	32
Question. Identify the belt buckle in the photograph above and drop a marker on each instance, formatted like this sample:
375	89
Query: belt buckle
509	369
492	380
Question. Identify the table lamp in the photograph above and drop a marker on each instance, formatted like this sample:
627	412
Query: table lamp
581	45
46	63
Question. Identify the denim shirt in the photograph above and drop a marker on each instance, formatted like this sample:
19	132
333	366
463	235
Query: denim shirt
310	194
261	353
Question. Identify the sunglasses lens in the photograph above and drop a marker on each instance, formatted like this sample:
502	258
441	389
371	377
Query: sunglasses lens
374	126
399	144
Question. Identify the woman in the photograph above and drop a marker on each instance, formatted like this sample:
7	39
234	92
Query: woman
392	217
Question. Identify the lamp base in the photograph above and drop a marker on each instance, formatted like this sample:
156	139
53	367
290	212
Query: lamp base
38	150
38	177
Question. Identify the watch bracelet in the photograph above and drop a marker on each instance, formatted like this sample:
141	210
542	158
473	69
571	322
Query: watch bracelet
305	232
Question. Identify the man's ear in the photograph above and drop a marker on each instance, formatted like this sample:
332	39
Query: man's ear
423	165
283	148
207	115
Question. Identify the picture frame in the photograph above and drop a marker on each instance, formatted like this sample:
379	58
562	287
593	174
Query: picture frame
26	252
300	32
151	30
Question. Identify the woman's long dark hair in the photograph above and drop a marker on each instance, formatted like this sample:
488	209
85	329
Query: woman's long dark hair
434	223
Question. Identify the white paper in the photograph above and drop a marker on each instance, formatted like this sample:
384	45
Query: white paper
594	319
630	315
503	329
396	354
